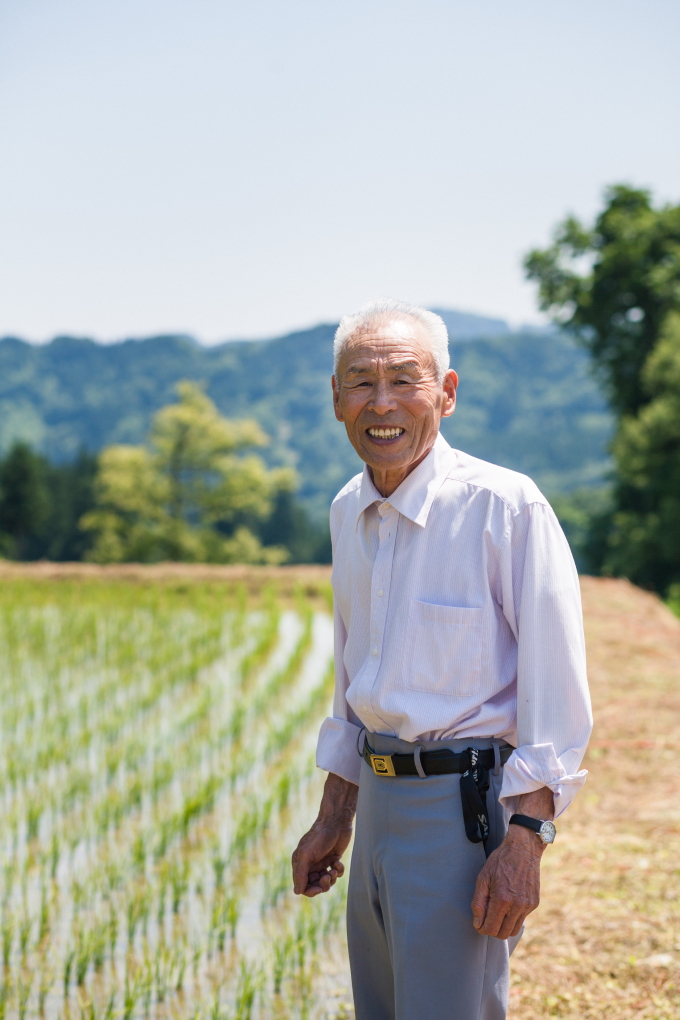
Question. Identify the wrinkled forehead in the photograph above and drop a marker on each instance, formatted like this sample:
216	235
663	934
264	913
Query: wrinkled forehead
389	343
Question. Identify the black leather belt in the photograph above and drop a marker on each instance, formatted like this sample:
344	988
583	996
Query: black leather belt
473	765
434	763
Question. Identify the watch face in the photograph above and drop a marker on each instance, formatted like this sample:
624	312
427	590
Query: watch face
547	832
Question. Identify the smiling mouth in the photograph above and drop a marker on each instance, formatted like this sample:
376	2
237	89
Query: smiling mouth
386	433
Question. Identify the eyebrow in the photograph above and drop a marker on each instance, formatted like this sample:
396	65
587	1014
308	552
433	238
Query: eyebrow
401	367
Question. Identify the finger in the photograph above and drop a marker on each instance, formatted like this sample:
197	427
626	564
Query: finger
333	870
319	882
480	901
322	885
315	875
316	882
513	919
331	875
495	915
517	929
301	864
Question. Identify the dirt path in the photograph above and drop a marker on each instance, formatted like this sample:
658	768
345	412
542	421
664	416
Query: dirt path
606	940
312	578
46	570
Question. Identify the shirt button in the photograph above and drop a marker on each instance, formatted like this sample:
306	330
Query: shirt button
374	651
380	591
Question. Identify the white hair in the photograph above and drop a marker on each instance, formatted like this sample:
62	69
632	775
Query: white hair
385	310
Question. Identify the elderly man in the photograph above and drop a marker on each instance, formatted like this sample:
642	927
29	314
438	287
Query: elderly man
461	712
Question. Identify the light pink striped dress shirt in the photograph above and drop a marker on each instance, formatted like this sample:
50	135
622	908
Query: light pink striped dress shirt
458	614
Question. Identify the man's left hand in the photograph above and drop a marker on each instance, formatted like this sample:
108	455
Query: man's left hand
508	886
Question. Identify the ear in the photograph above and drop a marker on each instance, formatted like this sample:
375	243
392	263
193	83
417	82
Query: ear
336	399
450	385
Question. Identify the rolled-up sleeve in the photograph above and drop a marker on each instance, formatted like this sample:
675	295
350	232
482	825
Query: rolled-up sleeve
542	604
337	745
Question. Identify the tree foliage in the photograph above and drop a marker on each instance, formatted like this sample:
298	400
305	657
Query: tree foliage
617	286
645	536
42	503
190	494
23	497
613	286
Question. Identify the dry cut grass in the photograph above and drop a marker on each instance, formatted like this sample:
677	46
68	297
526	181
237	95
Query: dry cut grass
310	579
606	939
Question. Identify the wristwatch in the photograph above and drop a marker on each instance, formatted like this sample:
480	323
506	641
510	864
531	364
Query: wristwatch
545	831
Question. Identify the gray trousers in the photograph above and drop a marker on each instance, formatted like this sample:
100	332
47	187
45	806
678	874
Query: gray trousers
414	952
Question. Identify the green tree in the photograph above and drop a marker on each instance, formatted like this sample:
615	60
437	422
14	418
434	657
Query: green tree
289	525
190	495
42	503
613	285
71	495
24	501
644	541
617	287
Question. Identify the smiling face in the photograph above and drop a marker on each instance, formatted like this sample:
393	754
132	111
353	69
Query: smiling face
387	394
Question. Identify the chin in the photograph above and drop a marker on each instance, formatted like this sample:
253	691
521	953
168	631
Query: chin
387	458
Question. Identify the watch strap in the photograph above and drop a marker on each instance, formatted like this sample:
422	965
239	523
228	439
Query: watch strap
529	823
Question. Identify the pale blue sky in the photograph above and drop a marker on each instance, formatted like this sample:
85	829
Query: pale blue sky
239	169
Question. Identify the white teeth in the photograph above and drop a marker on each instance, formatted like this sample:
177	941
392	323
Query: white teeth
385	433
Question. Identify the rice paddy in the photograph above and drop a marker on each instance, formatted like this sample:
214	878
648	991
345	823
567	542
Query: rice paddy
156	771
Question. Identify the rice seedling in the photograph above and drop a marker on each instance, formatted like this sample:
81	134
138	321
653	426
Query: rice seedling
4	996
24	984
155	767
69	959
83	953
7	936
24	934
46	980
132	993
250	981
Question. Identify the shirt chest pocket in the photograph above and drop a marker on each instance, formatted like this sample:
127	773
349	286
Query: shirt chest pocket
443	651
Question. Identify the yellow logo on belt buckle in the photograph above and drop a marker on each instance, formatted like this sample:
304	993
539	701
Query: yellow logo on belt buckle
382	765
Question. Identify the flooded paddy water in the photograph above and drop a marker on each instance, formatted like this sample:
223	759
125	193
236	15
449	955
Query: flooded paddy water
156	771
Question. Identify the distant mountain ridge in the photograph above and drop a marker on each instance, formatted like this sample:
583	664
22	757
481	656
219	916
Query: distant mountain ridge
526	399
464	326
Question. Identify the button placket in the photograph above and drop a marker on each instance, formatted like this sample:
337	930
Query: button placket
382	571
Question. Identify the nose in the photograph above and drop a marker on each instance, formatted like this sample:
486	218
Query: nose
383	399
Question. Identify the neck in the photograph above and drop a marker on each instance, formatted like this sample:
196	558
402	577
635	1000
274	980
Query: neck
388	481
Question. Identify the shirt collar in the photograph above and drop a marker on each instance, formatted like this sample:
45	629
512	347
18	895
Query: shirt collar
414	497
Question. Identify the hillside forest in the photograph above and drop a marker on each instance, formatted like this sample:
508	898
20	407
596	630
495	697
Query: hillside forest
587	407
526	400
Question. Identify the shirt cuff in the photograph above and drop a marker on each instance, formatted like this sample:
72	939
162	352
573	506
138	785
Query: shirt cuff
534	766
336	750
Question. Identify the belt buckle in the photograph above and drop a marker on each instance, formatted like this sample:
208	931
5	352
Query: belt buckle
382	764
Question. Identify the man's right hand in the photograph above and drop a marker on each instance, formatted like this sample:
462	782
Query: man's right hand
316	861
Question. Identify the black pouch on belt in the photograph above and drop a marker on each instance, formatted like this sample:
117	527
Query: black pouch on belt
473	787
